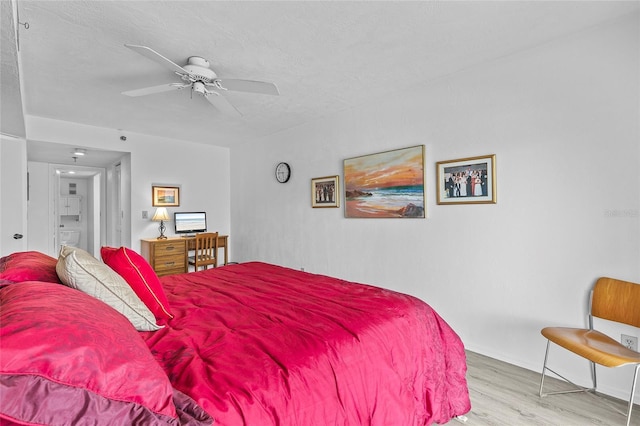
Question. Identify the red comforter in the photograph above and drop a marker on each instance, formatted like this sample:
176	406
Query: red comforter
258	344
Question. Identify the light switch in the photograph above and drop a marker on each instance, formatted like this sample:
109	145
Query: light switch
145	214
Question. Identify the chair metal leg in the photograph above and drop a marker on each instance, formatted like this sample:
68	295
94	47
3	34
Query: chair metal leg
544	367
579	388
633	392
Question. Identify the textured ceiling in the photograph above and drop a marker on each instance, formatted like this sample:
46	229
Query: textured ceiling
325	57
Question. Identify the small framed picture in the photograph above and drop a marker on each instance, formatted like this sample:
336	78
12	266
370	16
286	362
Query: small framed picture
467	180
165	196
325	191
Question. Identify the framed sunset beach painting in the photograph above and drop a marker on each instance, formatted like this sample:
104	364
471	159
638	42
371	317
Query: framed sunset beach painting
387	184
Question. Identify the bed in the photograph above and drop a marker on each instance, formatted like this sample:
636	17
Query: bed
245	344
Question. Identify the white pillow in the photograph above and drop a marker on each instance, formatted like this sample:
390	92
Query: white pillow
80	270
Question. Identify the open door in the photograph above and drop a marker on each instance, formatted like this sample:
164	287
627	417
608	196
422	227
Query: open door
13	195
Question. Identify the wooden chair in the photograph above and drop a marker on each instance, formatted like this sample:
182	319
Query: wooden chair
612	300
206	250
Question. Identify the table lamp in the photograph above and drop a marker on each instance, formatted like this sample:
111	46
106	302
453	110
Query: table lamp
161	215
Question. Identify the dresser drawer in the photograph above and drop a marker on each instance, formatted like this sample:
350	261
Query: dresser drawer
162	264
169	248
163	272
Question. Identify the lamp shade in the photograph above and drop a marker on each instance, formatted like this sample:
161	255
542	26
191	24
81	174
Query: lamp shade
160	214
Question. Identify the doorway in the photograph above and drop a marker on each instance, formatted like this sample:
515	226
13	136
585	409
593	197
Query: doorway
77	202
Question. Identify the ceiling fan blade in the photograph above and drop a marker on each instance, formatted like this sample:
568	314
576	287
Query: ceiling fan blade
251	86
156	57
155	89
222	104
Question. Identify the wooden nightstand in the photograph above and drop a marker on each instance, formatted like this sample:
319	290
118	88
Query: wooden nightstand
167	256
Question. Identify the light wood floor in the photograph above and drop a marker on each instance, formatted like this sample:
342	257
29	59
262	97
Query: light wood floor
503	394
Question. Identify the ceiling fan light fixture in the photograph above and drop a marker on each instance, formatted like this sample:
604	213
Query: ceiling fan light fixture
199	87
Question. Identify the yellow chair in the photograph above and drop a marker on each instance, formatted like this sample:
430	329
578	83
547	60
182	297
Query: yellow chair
612	300
206	250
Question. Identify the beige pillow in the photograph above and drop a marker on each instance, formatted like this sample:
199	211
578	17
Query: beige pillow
80	270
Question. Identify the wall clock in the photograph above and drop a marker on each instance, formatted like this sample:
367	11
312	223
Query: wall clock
283	172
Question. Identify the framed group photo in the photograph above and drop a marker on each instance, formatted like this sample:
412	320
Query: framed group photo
165	196
467	180
325	192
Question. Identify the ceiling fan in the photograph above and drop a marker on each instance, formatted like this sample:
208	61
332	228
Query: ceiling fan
198	75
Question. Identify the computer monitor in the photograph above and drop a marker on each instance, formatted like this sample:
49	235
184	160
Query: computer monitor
190	222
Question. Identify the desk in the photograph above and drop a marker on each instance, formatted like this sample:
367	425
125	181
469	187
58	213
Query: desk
169	256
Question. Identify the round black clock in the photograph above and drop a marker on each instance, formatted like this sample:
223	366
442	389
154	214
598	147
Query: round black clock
283	172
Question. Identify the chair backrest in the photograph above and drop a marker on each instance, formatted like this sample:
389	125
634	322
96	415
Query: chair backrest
207	244
616	300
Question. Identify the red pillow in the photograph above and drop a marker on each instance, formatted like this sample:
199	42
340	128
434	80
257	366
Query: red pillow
29	266
68	356
141	277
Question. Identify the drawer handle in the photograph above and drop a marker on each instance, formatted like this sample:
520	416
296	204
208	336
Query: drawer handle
170	247
170	263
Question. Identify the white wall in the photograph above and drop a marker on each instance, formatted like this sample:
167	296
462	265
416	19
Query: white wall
201	170
562	119
40	222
